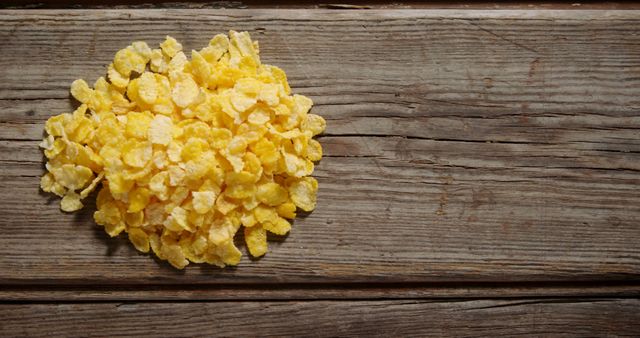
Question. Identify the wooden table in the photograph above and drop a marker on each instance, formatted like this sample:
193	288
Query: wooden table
480	177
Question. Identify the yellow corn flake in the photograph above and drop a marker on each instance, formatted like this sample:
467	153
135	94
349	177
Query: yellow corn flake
199	244
194	149
314	150
259	116
236	162
58	189
203	201
138	199
118	184
83	132
287	210
222	231
256	239
272	194
170	46
115	229
239	178
176	66
138	125
71	202
177	221
116	79
175	256
160	160
265	214
55	148
295	165
301	104
72	176
176	175
159	185
218	46
81	91
229	253
241	102
241	45
137	154
129	60
250	203
110	216
185	91
253	165
237	145
86	191
179	195
200	67
159	63
142	49
303	193
278	226
46	182
225	206
241	191
314	123
134	219
248	219
174	152
160	130
188	151
148	88
154	214
140	239
269	94
84	156
55	125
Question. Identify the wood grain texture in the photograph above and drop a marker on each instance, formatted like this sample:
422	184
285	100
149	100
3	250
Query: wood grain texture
539	318
314	292
312	4
461	145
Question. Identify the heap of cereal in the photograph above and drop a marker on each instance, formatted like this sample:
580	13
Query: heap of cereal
187	151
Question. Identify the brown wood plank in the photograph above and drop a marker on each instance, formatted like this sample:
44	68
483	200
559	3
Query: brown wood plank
321	291
315	4
461	145
548	318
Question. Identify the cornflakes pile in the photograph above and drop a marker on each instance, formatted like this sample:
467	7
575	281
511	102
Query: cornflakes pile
187	151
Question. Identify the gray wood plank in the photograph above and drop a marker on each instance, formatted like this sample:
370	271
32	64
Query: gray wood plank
461	145
535	318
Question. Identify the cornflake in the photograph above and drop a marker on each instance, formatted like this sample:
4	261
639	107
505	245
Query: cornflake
188	151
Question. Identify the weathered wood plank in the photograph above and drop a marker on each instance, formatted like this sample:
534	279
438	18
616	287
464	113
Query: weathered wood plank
548	318
470	235
311	4
321	291
461	145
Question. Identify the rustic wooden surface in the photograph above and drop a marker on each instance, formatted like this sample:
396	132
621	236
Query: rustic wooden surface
328	318
480	154
322	291
315	4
